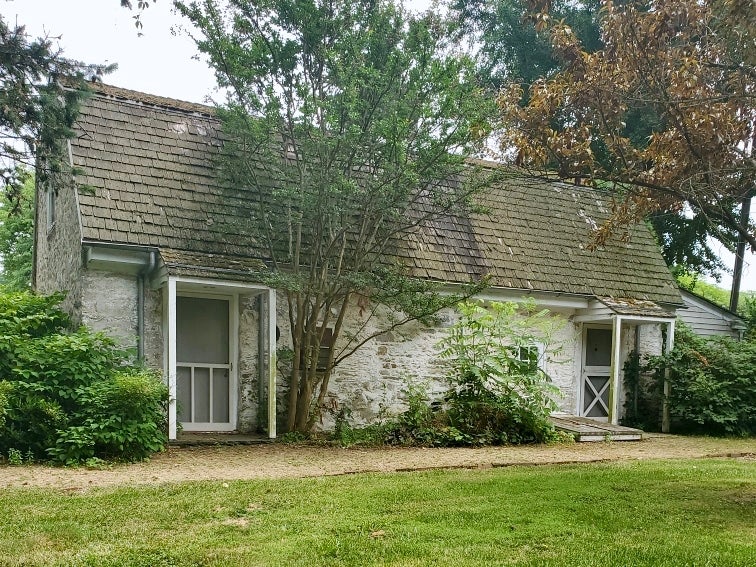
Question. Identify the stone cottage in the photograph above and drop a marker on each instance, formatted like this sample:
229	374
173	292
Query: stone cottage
149	249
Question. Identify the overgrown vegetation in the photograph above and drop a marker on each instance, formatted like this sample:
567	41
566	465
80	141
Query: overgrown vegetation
643	402
69	396
497	391
17	231
640	513
712	386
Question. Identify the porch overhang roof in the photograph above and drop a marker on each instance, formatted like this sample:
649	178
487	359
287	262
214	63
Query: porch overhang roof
605	309
189	264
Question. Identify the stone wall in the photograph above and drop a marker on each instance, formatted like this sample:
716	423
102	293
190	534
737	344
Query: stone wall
58	260
564	366
153	328
109	304
249	364
371	382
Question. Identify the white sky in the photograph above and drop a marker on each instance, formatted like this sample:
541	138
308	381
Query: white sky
160	62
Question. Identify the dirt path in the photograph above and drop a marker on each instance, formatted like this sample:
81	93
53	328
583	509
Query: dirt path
287	461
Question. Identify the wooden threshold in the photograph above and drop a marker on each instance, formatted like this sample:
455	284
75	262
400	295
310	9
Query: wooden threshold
588	430
192	439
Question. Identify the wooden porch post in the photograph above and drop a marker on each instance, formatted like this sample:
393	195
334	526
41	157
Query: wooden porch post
171	366
665	402
271	328
614	389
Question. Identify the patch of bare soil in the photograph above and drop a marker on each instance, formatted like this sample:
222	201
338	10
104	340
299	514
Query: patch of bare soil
289	461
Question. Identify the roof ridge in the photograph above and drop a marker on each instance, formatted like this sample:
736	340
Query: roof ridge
139	97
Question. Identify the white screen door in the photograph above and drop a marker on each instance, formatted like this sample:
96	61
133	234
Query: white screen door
203	371
597	360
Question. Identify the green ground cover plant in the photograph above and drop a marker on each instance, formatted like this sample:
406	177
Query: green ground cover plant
660	513
69	396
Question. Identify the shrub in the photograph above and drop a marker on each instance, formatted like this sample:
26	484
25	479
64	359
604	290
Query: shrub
5	388
712	385
498	392
423	423
30	315
70	396
119	418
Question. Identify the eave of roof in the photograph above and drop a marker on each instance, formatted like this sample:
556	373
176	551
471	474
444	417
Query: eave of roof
714	306
137	97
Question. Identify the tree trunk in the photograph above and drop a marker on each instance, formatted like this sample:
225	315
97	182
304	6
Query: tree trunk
737	274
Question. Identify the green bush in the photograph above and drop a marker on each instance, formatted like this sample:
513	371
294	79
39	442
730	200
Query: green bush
643	399
5	388
119	418
70	396
712	384
498	392
30	315
423	423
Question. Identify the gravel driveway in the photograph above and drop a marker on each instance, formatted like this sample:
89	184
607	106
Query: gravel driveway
291	461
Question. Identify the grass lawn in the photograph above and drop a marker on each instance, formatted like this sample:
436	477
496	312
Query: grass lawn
699	512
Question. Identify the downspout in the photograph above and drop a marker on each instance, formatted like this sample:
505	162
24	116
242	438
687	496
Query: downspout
141	277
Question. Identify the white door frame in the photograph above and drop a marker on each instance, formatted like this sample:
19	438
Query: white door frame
233	356
607	371
177	285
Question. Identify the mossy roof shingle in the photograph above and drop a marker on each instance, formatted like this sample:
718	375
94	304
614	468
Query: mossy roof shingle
147	178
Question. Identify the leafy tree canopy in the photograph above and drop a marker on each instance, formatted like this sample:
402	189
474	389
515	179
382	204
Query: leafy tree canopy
39	95
17	232
36	109
345	120
688	66
511	45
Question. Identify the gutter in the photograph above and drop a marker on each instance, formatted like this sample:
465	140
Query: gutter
138	261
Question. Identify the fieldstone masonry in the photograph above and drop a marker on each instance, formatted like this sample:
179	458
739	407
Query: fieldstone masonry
371	382
109	304
58	261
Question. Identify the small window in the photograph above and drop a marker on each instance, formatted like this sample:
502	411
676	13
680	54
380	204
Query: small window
290	150
530	355
325	346
51	198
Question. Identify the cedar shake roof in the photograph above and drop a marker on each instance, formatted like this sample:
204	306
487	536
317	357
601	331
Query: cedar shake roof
145	172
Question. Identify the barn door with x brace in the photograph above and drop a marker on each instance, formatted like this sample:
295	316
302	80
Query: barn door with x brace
596	376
